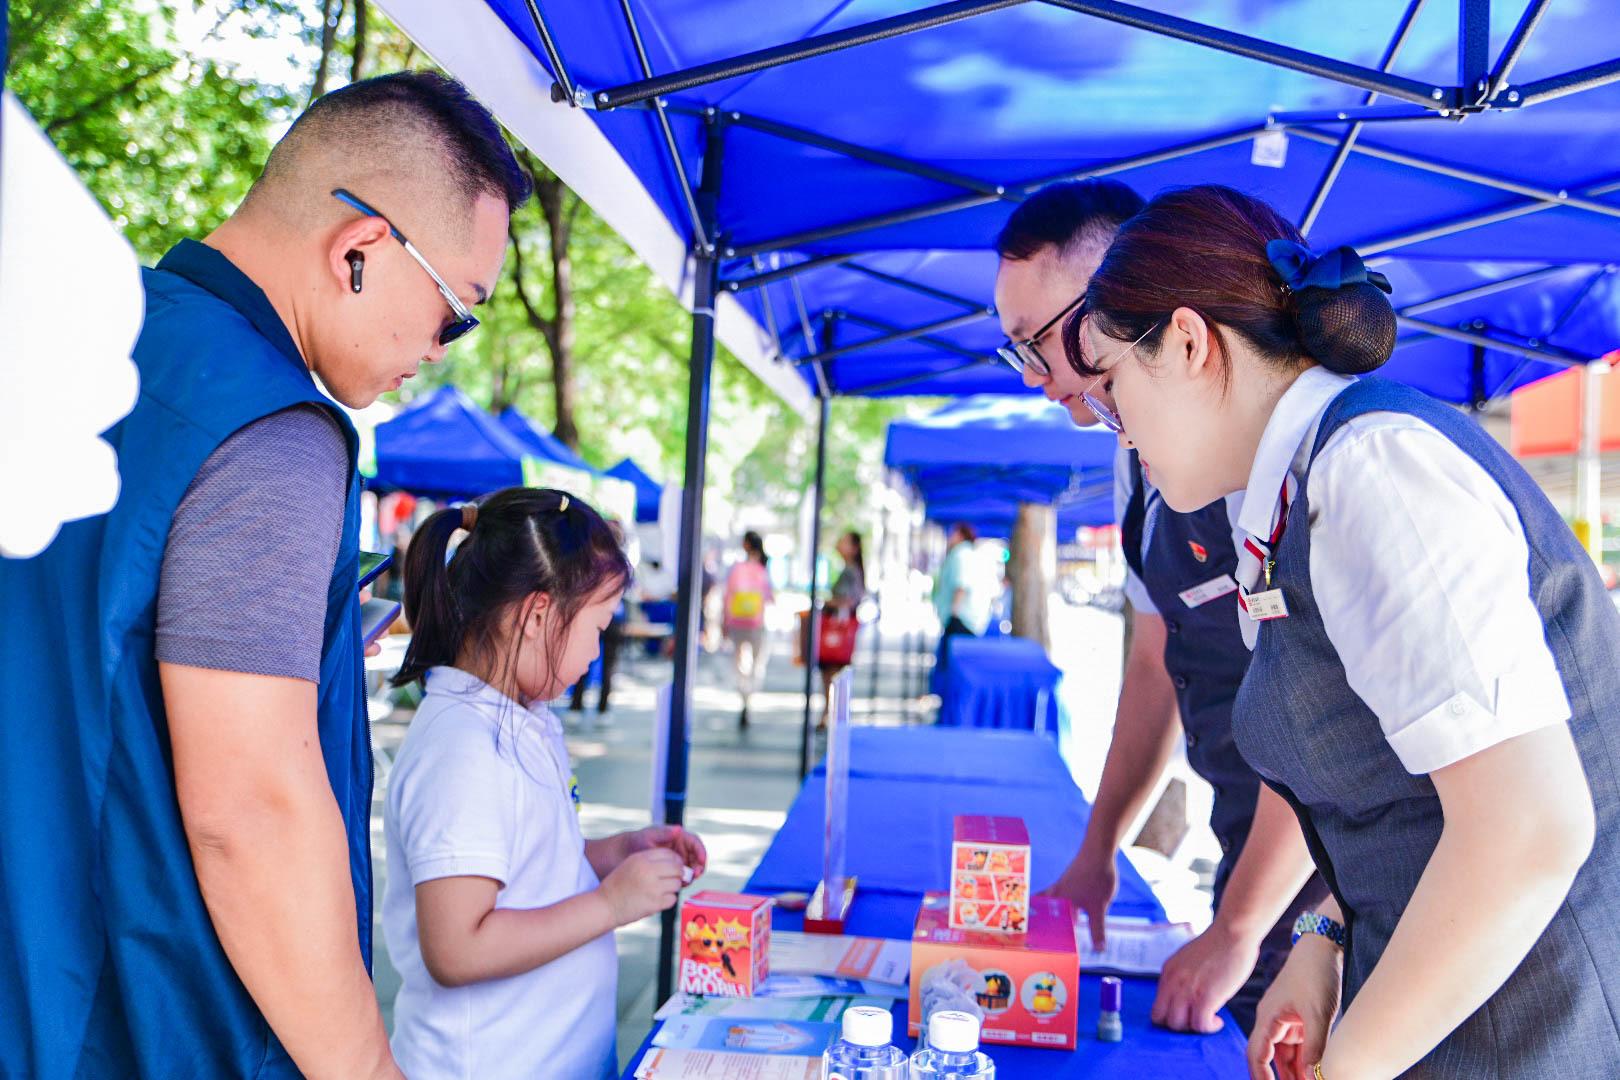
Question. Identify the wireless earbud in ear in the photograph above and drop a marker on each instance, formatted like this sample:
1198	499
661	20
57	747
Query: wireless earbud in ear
357	263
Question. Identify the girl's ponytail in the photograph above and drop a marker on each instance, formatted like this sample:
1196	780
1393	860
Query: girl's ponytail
436	620
520	542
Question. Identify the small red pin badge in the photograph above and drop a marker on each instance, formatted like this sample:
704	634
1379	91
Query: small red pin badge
1199	551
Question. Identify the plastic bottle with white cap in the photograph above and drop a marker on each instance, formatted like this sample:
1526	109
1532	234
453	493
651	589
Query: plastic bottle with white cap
865	1052
951	1050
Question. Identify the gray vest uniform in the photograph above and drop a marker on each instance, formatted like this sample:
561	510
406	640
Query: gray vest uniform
1205	656
1372	826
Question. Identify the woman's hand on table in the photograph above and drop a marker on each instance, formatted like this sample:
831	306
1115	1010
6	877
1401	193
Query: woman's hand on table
1201	977
1294	1017
1089	883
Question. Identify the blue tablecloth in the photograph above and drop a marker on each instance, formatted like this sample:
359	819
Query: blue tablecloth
903	851
1003	682
967	755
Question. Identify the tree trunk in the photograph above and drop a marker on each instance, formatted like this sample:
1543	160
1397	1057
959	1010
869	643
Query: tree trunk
330	17
1032	567
357	68
552	195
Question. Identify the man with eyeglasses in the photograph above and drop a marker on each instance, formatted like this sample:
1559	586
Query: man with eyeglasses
185	888
1186	656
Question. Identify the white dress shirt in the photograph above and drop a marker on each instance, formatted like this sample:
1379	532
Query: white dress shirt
1420	569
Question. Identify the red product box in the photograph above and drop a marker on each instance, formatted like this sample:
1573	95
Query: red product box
989	874
725	944
1026	986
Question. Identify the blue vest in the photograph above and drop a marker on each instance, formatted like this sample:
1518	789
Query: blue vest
1372	826
111	967
1206	658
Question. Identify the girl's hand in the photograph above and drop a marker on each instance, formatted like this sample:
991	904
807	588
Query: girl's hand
1292	1022
645	883
685	844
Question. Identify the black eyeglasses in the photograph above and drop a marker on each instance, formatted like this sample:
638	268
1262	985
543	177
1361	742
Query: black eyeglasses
1025	354
463	322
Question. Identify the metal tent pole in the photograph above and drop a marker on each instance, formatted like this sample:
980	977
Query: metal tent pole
812	648
877	602
689	604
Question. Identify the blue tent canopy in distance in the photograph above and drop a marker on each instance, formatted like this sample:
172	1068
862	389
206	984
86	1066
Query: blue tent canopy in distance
1000	448
649	492
859	188
542	443
443	445
994	518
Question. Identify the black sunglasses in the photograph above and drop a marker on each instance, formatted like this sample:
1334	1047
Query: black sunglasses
464	322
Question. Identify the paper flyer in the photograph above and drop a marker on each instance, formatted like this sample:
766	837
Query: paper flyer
823	1009
662	1064
745	1035
870	959
1135	946
809	986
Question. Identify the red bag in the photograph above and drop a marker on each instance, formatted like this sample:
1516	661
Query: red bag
837	644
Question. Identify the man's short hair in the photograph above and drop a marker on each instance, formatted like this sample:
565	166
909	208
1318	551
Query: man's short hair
965	531
1067	215
390	121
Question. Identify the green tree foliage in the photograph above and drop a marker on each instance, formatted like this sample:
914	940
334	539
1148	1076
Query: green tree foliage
169	138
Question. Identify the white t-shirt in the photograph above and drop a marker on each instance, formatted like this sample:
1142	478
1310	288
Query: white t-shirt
482	787
1421	572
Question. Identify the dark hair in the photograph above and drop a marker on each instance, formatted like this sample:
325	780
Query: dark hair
754	546
860	555
1204	248
476	154
1065	214
521	541
966	531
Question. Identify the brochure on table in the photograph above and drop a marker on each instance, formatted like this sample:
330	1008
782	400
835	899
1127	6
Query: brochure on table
872	959
669	1064
1134	946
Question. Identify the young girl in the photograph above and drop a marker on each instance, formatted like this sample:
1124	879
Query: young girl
1433	685
498	914
748	595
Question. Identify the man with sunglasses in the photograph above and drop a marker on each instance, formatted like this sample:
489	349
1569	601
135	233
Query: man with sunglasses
1186	656
187	778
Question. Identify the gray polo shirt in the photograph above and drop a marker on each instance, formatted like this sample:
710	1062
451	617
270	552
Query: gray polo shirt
251	550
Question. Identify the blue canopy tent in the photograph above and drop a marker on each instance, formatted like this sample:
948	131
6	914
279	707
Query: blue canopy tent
820	180
541	443
649	492
445	446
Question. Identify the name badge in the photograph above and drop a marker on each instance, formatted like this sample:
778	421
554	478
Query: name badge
1262	606
1213	589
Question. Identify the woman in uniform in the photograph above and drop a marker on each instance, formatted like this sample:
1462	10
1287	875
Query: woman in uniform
1433	686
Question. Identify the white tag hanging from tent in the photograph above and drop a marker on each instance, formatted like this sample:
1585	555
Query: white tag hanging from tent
1270	149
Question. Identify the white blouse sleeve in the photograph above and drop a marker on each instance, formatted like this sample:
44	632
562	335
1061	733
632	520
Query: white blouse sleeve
1420	569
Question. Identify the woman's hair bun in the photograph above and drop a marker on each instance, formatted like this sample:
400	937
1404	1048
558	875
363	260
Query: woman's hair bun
1350	329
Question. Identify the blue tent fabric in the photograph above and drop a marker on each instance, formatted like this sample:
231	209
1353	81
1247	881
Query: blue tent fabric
976	459
541	443
991	106
649	492
443	445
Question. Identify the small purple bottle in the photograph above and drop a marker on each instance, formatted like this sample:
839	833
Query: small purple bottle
1110	1028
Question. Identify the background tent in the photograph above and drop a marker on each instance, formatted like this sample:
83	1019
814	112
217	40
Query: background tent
540	442
648	491
445	446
